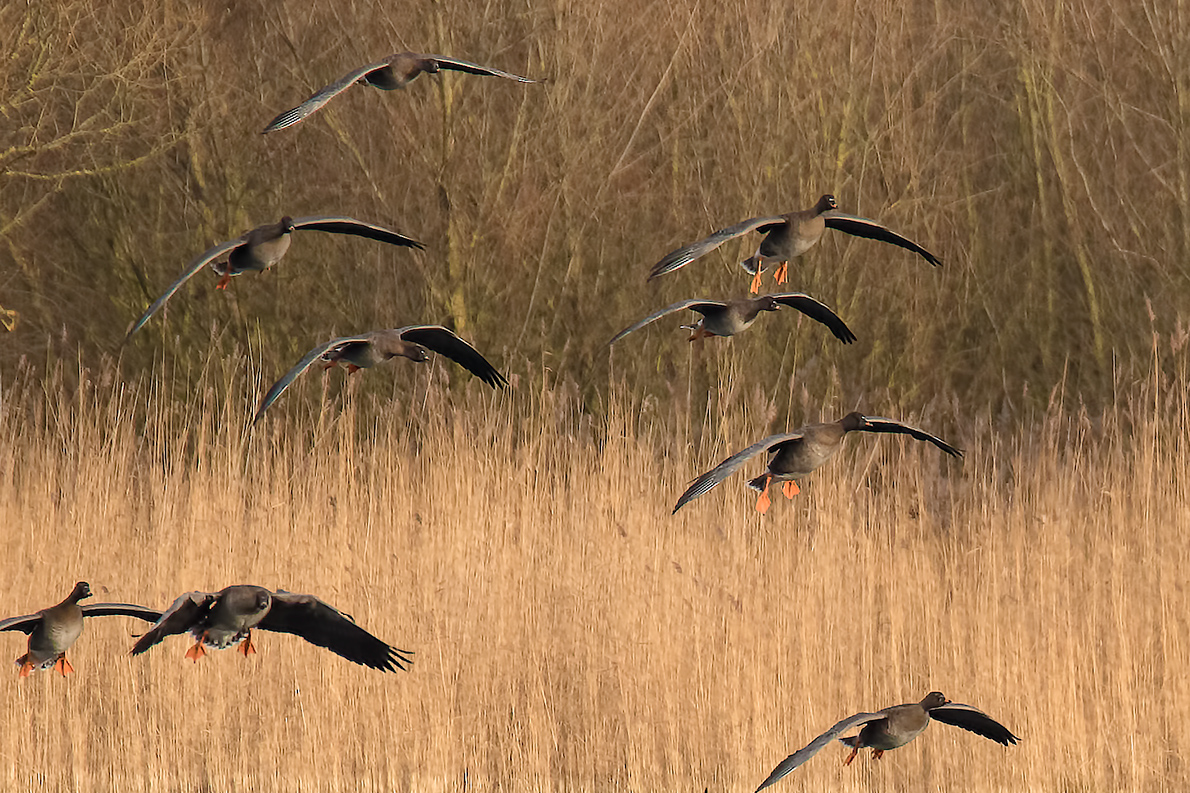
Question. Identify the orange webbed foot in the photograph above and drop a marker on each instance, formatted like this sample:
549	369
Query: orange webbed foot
850	757
330	365
246	646
197	651
877	754
63	666
764	502
223	282
755	289
352	368
782	274
790	489
26	666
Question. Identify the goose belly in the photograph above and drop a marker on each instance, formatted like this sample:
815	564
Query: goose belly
47	643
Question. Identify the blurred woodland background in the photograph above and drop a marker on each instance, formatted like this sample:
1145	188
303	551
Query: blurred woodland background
1041	149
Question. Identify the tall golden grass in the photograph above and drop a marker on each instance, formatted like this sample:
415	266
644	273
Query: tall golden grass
569	633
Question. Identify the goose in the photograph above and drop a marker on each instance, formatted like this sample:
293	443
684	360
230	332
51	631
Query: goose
264	246
377	346
727	318
787	236
395	71
896	726
795	454
52	631
220	619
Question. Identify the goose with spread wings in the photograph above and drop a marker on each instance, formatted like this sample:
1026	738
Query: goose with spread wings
52	631
795	454
394	72
727	318
788	236
377	346
896	726
264	246
220	619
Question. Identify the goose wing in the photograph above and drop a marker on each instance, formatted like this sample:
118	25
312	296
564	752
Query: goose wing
121	610
26	623
335	224
278	388
880	424
195	265
813	747
444	342
180	617
325	626
320	97
973	720
683	256
870	229
701	306
819	312
713	477
456	65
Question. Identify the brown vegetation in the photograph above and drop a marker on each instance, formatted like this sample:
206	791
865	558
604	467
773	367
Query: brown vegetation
1039	148
571	634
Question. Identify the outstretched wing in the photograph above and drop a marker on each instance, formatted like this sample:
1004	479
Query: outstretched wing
695	305
870	229
683	256
880	424
819	312
713	477
320	98
814	746
26	623
344	225
278	388
456	65
321	624
180	617
444	342
973	720
121	610
191	269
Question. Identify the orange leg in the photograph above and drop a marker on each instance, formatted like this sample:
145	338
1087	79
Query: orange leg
197	651
763	503
850	757
224	281
790	489
698	335
877	754
782	274
756	280
246	646
352	368
63	666
330	365
26	665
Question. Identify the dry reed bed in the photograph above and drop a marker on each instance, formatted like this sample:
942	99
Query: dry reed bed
570	634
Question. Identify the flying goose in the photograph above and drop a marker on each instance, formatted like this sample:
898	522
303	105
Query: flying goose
395	71
220	619
787	236
377	346
263	246
53	630
795	454
896	726
728	318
